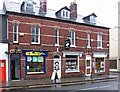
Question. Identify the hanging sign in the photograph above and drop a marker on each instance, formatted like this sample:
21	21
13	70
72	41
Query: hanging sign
67	44
34	53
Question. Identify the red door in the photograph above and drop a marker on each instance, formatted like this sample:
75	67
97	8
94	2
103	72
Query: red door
2	70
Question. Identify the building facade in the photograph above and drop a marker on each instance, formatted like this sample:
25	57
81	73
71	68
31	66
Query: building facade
42	43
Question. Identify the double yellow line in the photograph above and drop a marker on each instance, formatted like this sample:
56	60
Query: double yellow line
46	85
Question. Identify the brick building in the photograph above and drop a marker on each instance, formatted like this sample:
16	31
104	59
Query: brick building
40	40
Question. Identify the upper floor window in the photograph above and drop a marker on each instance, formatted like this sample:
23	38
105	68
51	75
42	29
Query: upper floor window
56	37
29	7
15	33
65	14
92	19
72	38
88	40
99	40
35	35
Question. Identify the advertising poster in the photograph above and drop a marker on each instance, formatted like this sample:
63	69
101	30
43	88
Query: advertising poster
29	59
35	59
40	59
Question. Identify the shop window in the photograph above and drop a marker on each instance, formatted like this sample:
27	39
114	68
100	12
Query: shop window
72	38
71	63
15	33
35	64
100	65
35	35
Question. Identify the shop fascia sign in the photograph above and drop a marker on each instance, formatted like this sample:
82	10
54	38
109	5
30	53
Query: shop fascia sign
34	53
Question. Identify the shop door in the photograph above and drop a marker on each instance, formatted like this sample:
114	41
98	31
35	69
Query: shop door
88	65
2	70
57	65
15	70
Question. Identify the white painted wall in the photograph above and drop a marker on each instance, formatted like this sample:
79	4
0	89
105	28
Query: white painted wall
114	43
3	49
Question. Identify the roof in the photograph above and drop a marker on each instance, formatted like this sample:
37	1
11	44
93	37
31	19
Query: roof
63	8
16	8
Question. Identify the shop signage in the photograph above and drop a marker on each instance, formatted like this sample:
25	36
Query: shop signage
67	44
34	53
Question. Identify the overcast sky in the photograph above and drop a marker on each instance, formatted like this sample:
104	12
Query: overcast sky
106	10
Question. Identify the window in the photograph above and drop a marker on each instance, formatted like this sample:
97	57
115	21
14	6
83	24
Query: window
88	40
29	7
65	14
72	63
15	33
35	35
92	19
99	41
35	64
56	37
72	38
100	65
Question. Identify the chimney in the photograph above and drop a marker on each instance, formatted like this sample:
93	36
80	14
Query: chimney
43	5
73	10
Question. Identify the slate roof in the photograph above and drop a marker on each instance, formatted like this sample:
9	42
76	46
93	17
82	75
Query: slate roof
16	7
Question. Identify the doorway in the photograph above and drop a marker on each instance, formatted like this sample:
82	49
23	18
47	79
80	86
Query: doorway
2	70
57	65
88	66
15	67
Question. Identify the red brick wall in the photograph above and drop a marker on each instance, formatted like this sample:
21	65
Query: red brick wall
47	41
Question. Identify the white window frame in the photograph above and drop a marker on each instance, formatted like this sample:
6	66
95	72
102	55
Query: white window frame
77	66
66	13
88	40
99	39
57	37
92	19
70	37
15	33
104	65
36	35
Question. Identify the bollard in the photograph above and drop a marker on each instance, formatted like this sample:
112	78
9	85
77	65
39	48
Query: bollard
91	76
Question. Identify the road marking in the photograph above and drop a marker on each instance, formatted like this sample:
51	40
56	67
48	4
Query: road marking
95	87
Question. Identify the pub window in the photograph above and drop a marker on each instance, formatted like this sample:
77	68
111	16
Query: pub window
35	35
15	33
56	37
100	65
72	63
35	64
72	38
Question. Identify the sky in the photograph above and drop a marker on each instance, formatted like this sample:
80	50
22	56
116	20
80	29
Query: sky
106	10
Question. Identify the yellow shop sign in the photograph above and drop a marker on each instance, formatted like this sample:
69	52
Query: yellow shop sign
34	53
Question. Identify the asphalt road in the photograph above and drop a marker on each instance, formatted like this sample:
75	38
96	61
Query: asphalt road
109	85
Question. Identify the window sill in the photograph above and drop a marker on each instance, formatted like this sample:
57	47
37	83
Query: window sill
73	46
72	71
88	47
99	47
57	45
35	44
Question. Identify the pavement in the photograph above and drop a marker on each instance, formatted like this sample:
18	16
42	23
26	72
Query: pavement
46	81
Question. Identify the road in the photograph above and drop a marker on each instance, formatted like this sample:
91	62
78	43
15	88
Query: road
97	85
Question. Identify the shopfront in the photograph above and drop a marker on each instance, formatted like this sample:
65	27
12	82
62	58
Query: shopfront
100	61
72	61
35	61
